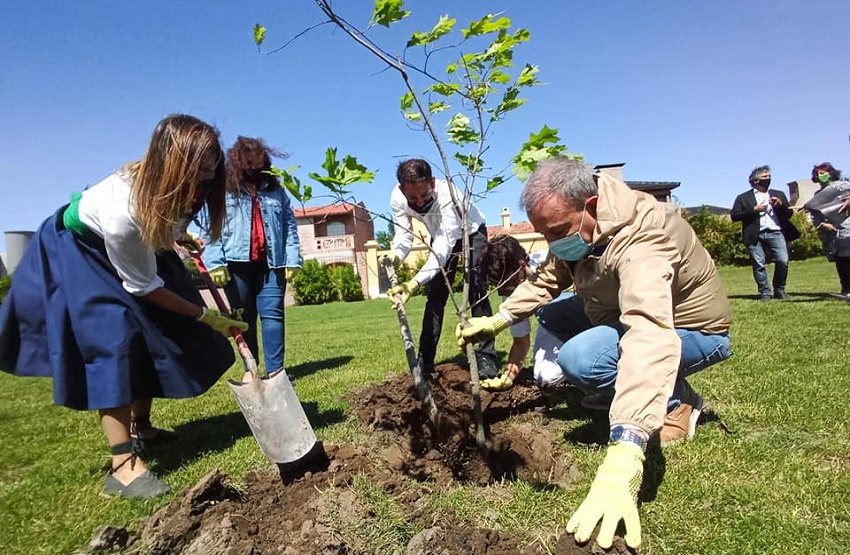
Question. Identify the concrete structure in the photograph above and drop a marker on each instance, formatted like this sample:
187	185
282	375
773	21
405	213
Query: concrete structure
800	191
16	245
337	234
661	190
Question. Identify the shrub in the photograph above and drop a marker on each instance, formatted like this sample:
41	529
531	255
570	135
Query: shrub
808	245
5	284
346	283
313	284
720	236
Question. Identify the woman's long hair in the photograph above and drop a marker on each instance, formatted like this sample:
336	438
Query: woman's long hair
834	174
247	160
165	181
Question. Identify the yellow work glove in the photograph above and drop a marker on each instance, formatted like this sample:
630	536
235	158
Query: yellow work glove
612	498
220	276
221	323
480	329
501	383
406	289
291	273
191	242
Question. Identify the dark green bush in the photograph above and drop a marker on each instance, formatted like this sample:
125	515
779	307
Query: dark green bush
313	284
346	283
722	237
808	245
5	284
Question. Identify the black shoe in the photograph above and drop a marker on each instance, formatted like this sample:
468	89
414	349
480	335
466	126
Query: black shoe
780	294
487	366
765	298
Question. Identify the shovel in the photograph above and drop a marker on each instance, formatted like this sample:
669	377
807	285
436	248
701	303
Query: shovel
419	382
269	404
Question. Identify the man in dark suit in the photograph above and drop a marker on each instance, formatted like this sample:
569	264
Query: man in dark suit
766	230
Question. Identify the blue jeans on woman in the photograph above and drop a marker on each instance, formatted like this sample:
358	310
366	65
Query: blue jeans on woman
260	290
590	354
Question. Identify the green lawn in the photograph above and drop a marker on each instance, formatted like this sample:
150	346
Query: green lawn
777	482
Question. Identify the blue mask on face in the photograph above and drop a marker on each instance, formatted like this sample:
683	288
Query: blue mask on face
571	248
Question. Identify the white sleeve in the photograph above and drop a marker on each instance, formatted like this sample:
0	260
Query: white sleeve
402	226
444	237
133	260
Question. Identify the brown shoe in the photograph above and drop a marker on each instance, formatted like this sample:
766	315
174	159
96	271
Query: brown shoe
681	423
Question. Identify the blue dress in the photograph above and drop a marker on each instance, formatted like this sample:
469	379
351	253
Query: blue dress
68	317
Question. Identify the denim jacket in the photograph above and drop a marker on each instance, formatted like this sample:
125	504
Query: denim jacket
283	249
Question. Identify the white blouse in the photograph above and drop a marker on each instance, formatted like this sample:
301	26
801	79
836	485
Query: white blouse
105	208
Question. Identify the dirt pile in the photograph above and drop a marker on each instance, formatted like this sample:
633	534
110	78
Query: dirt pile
327	505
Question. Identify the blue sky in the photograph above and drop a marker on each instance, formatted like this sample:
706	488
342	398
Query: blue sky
690	91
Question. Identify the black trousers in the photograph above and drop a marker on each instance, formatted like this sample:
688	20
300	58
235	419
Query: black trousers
842	265
438	296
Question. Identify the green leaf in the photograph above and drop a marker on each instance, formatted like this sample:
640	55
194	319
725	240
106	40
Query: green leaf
412	116
460	132
407	101
259	34
539	146
443	27
486	25
292	183
494	182
437	107
445	89
527	77
387	12
473	164
341	174
510	101
451	68
499	77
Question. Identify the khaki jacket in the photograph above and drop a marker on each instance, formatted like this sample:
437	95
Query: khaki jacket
653	276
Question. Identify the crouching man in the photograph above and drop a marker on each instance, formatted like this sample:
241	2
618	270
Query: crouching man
649	310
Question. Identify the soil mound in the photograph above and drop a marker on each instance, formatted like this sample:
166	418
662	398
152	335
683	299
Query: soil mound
319	506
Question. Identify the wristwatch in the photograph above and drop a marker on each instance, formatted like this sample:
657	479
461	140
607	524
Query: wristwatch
631	435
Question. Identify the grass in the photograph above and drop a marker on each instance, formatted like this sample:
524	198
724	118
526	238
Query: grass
777	482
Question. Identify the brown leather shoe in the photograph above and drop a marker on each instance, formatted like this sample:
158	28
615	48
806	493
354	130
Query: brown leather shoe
681	423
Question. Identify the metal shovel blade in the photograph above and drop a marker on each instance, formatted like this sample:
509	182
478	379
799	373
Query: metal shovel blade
275	416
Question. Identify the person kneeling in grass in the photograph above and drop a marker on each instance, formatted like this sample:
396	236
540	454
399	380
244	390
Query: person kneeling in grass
504	264
649	311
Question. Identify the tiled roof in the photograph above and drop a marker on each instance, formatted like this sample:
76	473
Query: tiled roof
324	211
516	229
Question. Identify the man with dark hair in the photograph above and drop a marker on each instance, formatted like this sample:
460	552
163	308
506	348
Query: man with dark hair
418	195
766	229
505	264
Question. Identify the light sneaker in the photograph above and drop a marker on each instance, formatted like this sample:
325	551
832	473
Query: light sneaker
681	423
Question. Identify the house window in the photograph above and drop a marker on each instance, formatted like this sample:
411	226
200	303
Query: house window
336	228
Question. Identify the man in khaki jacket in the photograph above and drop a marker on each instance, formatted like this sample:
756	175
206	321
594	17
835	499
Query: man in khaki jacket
649	310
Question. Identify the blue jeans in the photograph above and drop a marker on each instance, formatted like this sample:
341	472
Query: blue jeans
259	290
590	354
770	246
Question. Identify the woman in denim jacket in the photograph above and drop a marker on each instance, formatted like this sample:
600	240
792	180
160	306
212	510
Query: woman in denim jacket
259	247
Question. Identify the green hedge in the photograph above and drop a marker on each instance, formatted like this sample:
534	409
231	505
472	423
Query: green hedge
319	284
5	284
722	238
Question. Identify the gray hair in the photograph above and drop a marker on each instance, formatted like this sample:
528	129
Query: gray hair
561	177
757	171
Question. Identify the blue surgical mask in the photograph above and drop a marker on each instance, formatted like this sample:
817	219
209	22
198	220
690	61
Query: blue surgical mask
572	248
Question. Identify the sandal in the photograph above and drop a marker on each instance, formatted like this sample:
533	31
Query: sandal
144	432
145	486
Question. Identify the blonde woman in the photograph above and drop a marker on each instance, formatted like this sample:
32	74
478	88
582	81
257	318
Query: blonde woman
102	304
